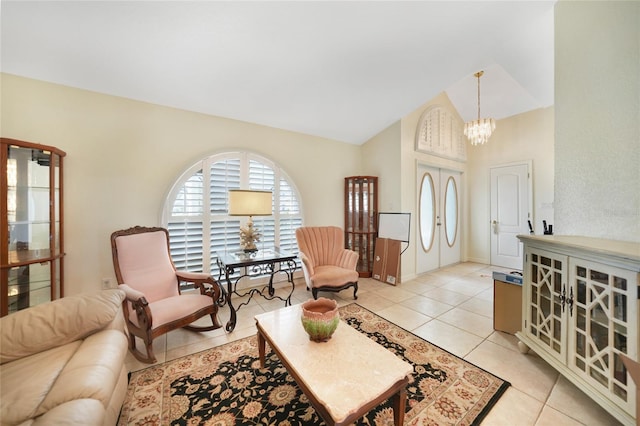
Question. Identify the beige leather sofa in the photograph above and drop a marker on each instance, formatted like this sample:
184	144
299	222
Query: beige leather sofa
62	362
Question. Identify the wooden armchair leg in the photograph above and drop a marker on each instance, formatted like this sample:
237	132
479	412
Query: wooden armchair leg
151	358
132	342
214	320
355	290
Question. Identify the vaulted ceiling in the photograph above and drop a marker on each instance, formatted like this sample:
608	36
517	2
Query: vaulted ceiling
340	70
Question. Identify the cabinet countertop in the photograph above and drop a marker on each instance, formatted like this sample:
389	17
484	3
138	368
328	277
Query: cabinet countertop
623	249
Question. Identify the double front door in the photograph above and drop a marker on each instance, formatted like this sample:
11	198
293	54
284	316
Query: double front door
439	217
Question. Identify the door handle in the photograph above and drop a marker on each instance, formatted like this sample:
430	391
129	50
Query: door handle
495	226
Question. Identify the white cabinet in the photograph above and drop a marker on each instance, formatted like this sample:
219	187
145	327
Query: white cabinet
580	311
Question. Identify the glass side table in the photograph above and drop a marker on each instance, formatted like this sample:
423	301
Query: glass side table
257	263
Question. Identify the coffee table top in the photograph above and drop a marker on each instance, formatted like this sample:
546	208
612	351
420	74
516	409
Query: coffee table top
343	373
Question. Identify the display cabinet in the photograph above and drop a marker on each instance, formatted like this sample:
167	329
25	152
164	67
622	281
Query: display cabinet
361	219
31	225
580	312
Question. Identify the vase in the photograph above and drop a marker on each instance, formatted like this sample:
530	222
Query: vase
320	318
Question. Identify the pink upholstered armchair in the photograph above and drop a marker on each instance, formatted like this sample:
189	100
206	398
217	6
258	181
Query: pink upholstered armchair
154	304
326	264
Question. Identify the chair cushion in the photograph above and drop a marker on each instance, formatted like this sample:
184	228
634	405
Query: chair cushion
333	276
177	307
146	266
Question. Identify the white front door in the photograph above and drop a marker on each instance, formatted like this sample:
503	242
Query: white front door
438	218
510	211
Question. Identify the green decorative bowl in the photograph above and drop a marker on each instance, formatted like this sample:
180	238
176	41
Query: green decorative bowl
320	318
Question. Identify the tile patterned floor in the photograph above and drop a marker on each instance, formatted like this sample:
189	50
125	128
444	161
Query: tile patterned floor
453	308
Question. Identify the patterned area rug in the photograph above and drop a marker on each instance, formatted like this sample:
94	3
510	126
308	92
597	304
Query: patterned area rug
226	386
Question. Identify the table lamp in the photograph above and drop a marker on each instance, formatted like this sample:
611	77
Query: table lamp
250	203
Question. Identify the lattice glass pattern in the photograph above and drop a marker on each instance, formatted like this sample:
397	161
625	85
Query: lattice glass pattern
548	275
605	300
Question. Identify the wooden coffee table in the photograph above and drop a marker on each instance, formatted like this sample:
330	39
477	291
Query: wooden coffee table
345	377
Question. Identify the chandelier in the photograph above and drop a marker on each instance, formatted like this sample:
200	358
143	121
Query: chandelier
479	131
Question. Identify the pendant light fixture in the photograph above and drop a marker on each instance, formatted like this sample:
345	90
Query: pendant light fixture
479	131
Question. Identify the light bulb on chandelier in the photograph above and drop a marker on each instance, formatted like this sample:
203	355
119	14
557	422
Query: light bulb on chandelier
479	131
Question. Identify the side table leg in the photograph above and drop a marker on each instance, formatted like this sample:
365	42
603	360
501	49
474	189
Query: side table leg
232	319
292	269
398	402
261	349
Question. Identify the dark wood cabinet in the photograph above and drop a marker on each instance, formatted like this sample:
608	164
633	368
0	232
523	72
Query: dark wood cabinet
31	231
361	219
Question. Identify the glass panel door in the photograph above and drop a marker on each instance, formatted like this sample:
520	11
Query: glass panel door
546	312
604	300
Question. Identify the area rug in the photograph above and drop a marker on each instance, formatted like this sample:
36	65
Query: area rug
226	386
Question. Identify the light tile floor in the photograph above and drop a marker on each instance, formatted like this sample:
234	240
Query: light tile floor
452	308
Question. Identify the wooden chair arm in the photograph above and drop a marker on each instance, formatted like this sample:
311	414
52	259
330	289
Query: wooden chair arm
140	306
203	282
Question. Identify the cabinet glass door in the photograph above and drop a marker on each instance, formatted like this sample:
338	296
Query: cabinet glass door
361	219
605	302
31	269
546	311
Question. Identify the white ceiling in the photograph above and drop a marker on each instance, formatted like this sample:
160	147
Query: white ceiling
340	70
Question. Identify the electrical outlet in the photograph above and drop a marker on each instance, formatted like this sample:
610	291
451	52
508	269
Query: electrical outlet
106	283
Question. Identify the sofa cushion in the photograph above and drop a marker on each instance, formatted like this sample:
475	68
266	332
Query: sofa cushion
82	370
92	372
85	412
56	323
26	382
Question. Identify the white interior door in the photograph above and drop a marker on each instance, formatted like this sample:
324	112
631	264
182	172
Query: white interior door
438	218
510	211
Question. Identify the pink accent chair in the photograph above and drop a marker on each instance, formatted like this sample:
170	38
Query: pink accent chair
326	264
154	304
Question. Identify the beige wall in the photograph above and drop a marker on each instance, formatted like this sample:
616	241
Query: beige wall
521	138
123	156
597	132
381	157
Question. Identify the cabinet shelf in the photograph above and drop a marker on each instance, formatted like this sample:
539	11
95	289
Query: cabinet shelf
31	225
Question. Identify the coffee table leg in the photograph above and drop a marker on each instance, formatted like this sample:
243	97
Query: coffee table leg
398	402
261	349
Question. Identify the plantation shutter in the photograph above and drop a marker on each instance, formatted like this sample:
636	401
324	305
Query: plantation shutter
196	211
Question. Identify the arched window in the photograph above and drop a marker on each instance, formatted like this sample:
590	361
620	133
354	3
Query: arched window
196	209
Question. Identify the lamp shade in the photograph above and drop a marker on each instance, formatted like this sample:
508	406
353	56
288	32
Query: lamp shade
249	203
